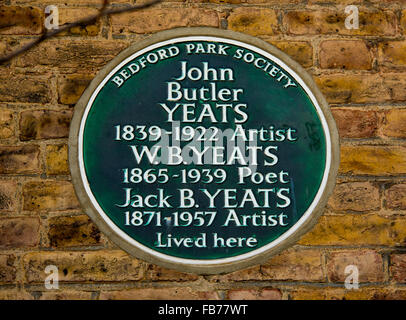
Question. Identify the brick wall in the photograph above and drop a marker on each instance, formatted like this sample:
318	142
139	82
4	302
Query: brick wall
362	74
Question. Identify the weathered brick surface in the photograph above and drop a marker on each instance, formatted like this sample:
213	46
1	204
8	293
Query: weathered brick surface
394	125
292	265
71	88
254	294
271	2
176	293
339	88
70	15
355	123
8	45
63	295
6	124
49	195
371	22
74	3
363	293
305	265
398	267
72	55
393	53
8	195
396	82
156	273
373	160
281	2
254	21
19	159
252	273
73	231
8	269
141	22
20	20
300	51
345	54
19	232
314	2
79	266
354	229
395	196
369	264
57	159
14	294
355	196
44	124
19	88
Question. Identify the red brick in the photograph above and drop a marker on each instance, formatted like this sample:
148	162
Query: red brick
14	294
254	21
398	267
355	123
368	262
345	54
19	232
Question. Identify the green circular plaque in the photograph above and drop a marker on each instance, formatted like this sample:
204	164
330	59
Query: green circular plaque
203	150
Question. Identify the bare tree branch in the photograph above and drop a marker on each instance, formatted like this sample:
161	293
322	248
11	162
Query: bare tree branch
85	21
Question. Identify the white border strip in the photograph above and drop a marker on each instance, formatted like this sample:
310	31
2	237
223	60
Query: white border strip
255	252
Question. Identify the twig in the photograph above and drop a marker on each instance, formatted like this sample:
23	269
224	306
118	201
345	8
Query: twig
85	21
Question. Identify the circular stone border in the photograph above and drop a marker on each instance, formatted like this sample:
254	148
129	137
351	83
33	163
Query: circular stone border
107	229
